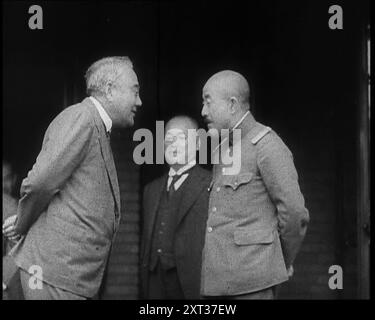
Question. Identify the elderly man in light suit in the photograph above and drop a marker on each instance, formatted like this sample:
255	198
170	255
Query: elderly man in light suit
257	217
69	209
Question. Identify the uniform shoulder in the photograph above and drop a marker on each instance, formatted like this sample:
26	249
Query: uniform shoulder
271	142
260	133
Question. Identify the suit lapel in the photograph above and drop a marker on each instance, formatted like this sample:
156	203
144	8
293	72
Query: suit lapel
193	186
107	154
112	172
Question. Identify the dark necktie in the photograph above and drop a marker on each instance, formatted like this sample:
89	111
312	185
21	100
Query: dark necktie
172	189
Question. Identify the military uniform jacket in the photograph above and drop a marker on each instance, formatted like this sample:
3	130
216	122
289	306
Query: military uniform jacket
257	218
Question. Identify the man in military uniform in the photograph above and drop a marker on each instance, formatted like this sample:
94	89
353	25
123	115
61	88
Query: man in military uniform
257	217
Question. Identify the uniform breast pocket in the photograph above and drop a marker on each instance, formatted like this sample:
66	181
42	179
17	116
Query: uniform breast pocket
237	181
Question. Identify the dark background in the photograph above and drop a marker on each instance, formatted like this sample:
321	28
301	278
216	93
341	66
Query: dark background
307	84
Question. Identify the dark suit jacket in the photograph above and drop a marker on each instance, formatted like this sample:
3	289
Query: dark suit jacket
69	202
190	230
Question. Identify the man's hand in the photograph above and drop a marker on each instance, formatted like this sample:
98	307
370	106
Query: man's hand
290	271
9	229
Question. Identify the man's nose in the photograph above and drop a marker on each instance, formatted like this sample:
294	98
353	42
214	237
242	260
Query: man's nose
204	111
139	101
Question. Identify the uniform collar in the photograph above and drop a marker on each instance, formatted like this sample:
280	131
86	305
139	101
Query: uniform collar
246	125
103	114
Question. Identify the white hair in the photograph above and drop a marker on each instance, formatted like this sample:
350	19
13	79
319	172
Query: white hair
103	72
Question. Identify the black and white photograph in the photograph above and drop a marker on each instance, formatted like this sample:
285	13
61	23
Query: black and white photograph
189	153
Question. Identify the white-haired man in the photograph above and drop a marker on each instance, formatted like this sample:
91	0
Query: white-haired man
69	209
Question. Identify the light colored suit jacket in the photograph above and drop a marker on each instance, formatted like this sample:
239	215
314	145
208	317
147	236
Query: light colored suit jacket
257	218
70	203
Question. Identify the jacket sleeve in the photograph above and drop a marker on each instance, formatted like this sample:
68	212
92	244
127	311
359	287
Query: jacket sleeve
64	146
279	174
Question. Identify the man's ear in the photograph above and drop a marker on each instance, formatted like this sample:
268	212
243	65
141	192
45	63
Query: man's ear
233	105
108	91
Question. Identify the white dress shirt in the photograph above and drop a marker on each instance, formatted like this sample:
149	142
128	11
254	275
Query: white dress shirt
103	114
180	171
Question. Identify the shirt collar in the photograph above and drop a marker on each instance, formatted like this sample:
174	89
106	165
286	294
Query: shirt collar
247	124
241	120
173	172
103	114
238	124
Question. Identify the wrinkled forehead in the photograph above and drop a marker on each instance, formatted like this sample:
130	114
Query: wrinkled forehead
215	87
207	88
181	123
174	132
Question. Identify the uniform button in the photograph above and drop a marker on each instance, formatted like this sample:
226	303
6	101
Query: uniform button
209	229
161	232
223	170
162	223
218	189
214	209
160	251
